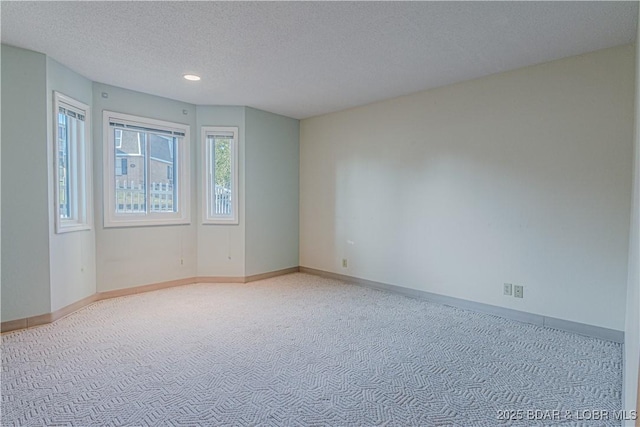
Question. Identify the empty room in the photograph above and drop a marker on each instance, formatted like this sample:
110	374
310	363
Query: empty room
319	213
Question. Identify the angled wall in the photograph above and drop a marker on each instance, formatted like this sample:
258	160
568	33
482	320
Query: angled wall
221	248
136	256
25	207
72	255
271	192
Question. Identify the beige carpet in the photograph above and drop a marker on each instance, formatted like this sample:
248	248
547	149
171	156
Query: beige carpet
298	350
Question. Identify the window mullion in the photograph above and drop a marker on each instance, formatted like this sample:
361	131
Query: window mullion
175	173
72	142
147	166
67	169
213	176
80	173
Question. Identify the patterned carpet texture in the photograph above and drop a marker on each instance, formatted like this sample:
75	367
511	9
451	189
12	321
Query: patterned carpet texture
299	350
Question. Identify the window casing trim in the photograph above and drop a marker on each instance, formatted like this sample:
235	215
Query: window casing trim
113	120
206	179
81	217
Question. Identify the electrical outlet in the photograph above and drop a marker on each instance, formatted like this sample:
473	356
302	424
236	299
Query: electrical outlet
344	263
518	291
181	261
508	289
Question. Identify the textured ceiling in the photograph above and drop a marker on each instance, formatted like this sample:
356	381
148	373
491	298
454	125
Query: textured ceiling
302	59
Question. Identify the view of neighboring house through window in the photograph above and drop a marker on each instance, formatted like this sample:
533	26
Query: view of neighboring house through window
220	148
72	159
140	190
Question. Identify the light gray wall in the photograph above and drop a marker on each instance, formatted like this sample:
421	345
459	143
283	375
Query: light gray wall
221	248
0	185
25	221
135	256
272	191
72	255
521	177
632	326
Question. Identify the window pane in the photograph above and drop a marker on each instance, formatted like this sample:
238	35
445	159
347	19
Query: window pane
118	136
163	188
64	204
221	197
130	171
71	165
145	182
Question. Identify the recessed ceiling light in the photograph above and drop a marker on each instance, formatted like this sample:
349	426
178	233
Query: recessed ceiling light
191	77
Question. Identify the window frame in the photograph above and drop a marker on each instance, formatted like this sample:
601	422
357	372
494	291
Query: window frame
80	173
207	179
183	187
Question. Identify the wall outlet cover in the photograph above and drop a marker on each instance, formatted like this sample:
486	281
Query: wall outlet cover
508	289
518	291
